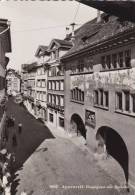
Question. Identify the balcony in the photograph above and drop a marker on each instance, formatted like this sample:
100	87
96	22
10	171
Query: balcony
56	107
28	97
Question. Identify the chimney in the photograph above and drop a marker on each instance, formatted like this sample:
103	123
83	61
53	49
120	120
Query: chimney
98	16
73	32
67	34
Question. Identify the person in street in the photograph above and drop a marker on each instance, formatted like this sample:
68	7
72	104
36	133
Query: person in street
6	179
11	161
14	140
20	128
13	119
3	154
6	183
5	168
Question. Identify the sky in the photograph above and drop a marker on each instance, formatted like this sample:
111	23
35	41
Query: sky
37	22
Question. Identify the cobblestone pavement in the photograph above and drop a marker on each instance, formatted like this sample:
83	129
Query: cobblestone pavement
53	166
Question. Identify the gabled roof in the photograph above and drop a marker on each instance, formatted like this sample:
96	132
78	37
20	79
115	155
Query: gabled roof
30	67
59	43
14	72
41	51
121	8
93	32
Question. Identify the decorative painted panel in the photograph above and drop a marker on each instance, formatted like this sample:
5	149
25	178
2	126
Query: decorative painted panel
90	118
77	81
116	80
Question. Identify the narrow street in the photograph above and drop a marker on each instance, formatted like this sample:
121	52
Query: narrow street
46	165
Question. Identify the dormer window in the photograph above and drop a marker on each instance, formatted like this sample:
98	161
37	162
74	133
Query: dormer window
84	39
106	18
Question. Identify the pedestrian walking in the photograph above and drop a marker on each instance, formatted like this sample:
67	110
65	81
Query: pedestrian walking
6	179
5	168
14	140
6	183
20	128
13	119
11	161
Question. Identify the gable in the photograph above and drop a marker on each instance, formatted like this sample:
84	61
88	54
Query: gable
53	45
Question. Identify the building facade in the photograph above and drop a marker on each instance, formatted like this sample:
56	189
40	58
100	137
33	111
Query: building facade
29	75
100	88
55	87
5	47
13	81
41	83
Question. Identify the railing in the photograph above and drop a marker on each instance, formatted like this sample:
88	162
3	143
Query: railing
56	107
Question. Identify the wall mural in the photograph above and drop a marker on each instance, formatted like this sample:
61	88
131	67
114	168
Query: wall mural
120	79
78	81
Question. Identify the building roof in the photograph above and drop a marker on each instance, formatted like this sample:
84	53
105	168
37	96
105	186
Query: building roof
121	8
14	72
63	42
4	27
41	50
93	32
29	67
60	43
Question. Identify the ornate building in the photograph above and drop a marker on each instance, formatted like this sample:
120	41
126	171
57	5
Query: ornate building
41	83
13	80
55	90
28	80
100	88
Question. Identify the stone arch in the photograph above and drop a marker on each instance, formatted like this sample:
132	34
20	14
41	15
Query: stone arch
77	125
115	146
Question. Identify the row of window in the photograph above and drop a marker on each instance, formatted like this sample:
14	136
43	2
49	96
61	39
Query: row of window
56	85
31	83
61	120
56	71
77	94
41	95
117	60
41	71
125	101
57	100
31	74
101	98
41	83
82	66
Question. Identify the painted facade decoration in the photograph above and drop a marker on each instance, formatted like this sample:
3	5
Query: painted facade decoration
77	82
90	118
123	79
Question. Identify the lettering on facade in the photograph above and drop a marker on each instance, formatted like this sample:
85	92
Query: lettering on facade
90	118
